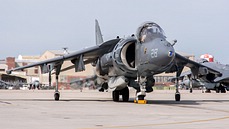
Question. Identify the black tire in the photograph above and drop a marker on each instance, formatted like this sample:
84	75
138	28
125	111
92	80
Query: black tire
191	90
56	96
101	90
222	89
125	94
177	96
208	91
115	95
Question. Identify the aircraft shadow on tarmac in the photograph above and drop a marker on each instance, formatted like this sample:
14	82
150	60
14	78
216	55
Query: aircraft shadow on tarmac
155	102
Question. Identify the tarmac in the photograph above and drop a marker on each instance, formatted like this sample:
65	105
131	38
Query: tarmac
90	109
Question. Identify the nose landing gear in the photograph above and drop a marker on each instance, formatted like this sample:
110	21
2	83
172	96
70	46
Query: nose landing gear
177	94
142	93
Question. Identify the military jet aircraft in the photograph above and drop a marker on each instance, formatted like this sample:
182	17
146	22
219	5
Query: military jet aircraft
123	62
219	84
4	85
189	84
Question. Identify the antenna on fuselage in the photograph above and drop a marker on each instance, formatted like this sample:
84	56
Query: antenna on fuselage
174	42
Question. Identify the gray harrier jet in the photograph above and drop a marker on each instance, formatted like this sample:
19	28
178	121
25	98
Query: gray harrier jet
121	62
219	84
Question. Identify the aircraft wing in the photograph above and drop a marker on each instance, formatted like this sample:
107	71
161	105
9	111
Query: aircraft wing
78	58
196	68
224	78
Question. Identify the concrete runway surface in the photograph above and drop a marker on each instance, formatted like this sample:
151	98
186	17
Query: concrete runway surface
95	110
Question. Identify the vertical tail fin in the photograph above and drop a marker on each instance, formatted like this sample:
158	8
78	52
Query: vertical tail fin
98	34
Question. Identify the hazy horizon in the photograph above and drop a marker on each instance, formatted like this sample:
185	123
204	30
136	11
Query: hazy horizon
30	27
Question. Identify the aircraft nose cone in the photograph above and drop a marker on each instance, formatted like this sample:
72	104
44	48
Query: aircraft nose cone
156	57
166	54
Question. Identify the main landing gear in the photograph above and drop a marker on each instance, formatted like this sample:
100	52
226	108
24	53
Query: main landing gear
220	89
124	92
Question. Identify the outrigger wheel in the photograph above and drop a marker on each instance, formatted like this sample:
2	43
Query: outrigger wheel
177	96
57	96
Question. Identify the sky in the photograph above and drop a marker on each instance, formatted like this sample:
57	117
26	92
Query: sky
30	27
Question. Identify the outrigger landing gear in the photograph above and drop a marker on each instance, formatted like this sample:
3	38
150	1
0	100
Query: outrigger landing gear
177	96
57	96
57	93
142	93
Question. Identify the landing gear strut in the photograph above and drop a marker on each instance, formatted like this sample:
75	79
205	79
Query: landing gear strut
190	86
177	94
56	93
142	93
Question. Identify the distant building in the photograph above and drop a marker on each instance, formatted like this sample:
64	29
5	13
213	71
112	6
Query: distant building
31	73
6	64
3	66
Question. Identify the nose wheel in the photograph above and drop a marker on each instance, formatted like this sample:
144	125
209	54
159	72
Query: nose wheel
177	94
140	99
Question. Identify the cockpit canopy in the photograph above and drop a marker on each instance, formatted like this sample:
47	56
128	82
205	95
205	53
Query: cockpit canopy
148	31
